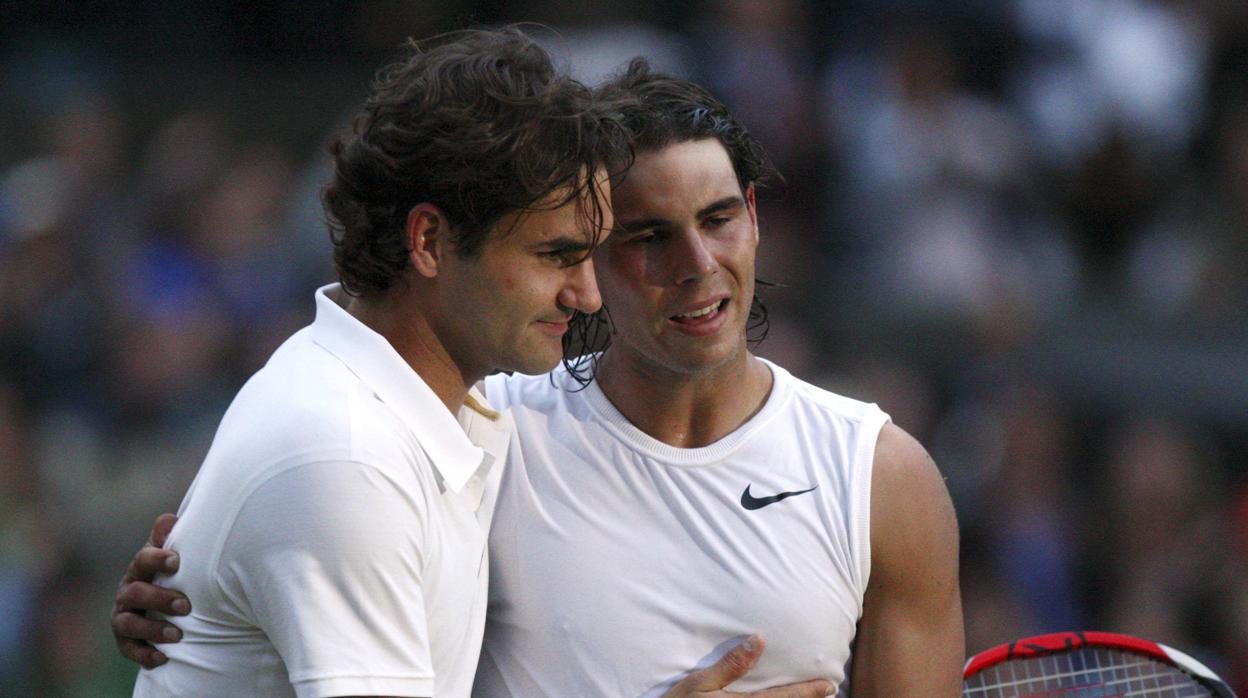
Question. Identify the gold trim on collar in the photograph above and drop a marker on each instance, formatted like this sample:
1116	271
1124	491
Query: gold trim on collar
476	406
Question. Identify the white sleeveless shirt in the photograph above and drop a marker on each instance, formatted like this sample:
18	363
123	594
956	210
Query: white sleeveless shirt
620	563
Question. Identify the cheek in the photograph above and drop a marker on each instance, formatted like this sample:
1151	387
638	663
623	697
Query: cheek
605	272
630	306
621	270
508	277
517	280
614	288
740	255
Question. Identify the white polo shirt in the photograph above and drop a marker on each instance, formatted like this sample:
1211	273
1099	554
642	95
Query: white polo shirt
331	540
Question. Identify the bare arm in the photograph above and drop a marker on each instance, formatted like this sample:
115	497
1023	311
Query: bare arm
910	640
132	629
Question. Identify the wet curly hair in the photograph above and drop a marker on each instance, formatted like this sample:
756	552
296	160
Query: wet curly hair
659	110
478	123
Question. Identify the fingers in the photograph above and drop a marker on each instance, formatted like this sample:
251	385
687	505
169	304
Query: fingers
737	663
151	559
144	654
817	688
133	631
142	596
730	667
129	626
149	562
160	530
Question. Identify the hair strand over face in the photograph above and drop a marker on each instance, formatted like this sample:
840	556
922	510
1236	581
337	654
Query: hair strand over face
659	110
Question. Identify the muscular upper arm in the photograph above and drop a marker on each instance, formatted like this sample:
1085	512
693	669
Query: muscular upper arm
910	639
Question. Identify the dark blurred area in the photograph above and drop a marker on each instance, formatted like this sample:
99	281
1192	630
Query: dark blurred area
1019	226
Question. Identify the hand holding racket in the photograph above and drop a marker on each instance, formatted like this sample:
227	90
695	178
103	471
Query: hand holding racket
1088	665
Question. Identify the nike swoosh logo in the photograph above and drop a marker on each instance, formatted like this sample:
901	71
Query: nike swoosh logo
751	502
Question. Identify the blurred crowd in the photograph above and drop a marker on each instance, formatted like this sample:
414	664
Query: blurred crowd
1019	226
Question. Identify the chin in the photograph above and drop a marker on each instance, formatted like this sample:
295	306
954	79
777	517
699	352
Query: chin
537	361
701	360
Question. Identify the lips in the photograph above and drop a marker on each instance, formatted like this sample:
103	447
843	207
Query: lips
554	327
702	313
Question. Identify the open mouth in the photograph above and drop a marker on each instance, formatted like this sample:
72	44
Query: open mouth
701	316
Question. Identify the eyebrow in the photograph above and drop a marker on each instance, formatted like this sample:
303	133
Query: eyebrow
728	202
569	243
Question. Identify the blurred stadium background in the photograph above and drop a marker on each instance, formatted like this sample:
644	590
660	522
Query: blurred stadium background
1021	226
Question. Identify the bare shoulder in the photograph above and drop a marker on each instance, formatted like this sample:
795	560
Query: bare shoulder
910	504
910	638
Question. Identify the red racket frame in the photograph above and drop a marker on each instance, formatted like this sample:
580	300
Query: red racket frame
1056	643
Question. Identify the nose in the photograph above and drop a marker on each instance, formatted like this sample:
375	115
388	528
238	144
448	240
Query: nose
580	292
692	258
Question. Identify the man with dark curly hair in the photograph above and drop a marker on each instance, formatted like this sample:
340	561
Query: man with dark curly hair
334	539
692	493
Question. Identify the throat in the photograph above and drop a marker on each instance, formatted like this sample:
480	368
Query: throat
690	413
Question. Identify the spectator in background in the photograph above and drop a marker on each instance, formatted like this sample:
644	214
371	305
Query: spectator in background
1165	508
936	198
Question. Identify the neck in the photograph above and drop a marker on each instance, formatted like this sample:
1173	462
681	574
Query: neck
680	409
408	330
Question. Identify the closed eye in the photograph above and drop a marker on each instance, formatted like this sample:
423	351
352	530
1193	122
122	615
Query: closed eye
565	256
644	237
634	235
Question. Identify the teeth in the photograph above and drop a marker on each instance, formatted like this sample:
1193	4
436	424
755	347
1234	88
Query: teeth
700	313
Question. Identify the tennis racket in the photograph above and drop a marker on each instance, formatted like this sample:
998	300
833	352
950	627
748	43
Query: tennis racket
1088	665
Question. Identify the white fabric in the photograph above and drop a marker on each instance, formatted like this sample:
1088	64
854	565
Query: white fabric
330	542
619	562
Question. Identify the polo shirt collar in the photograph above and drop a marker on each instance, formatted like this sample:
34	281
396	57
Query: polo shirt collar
375	362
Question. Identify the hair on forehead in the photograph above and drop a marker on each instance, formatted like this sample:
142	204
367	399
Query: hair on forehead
659	110
478	123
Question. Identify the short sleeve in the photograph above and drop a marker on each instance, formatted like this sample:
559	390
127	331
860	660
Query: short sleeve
327	558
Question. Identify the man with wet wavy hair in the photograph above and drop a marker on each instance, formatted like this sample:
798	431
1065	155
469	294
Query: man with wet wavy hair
692	493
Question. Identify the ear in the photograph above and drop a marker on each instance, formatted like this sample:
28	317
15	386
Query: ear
753	209
428	238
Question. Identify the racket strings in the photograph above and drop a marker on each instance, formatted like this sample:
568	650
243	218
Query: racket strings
1092	672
